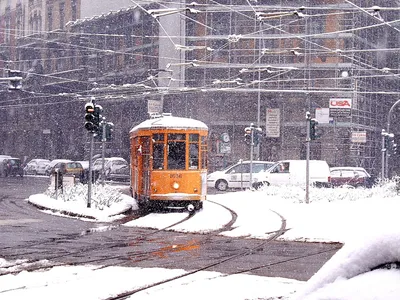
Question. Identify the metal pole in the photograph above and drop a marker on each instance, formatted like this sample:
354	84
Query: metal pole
388	132
103	144
89	200
251	154
383	154
308	121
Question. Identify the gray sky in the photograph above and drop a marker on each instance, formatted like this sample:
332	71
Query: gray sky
92	8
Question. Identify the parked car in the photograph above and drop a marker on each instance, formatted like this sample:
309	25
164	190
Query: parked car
293	172
13	167
351	176
2	164
36	166
53	163
111	164
69	168
237	175
121	174
84	163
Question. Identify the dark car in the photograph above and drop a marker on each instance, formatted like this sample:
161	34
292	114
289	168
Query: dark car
13	167
351	176
120	174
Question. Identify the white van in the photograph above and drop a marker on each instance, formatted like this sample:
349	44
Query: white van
293	172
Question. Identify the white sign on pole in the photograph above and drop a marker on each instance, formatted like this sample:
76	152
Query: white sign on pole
154	106
273	122
322	115
359	137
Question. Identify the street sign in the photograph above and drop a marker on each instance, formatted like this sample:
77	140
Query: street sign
322	115
339	107
154	106
273	122
359	137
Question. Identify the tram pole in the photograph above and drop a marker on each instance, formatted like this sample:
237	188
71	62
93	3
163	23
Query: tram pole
308	139
103	146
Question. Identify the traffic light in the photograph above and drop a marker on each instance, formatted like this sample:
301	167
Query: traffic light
390	145
97	114
394	149
15	80
313	129
247	135
109	130
257	136
91	123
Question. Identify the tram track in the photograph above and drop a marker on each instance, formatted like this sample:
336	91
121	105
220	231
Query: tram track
96	247
136	256
139	255
274	236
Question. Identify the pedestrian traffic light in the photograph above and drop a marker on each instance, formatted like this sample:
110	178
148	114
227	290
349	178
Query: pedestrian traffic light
15	78
313	129
109	130
91	124
247	135
257	136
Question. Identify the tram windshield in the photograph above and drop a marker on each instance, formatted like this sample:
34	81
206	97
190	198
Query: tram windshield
176	151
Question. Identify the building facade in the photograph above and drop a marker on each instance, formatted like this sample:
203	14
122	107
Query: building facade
224	63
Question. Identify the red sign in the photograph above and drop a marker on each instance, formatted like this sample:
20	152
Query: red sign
339	107
340	103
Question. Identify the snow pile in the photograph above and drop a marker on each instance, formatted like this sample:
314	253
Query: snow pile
102	195
107	203
345	274
297	194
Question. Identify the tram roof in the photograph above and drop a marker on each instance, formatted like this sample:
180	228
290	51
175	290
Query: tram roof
170	122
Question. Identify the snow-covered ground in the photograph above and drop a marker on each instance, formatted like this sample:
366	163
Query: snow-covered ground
364	220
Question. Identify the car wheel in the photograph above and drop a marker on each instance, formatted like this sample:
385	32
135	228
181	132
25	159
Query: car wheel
221	185
35	173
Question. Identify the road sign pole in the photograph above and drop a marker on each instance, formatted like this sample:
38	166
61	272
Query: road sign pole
308	123
89	198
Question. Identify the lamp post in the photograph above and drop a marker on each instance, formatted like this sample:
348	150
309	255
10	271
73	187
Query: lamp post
388	131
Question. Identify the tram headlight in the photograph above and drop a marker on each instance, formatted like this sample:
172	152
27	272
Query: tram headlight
175	185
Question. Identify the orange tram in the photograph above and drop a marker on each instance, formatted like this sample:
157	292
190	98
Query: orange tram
169	163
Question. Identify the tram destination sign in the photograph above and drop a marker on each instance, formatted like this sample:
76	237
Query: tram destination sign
339	107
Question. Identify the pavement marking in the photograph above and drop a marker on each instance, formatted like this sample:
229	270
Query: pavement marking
19	221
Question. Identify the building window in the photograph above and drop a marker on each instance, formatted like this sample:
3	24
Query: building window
74	10
50	18
62	15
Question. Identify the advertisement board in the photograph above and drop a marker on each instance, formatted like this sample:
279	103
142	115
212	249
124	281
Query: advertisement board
273	122
359	137
339	107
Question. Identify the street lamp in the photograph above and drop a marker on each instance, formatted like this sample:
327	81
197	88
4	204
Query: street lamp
388	131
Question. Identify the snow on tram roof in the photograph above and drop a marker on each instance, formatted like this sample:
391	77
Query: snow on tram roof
168	121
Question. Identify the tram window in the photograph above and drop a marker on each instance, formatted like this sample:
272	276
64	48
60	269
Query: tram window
176	155
158	156
158	137
193	156
203	152
193	137
177	136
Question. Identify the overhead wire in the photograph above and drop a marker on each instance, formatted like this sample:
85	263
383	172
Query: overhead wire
96	49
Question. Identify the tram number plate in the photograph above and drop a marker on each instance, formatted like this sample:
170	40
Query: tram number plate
175	175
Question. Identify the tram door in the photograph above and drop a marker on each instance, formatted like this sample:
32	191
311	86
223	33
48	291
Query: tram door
145	167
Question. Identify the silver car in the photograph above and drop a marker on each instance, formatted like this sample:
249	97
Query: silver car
36	166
